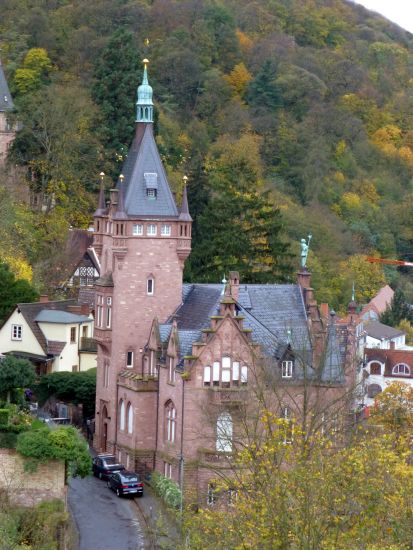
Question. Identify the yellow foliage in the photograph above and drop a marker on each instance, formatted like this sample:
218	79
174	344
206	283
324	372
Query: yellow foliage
339	177
407	328
18	266
406	154
387	134
244	41
239	78
351	201
367	190
340	148
368	278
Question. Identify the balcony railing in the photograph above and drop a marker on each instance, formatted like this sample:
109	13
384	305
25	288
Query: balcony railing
88	344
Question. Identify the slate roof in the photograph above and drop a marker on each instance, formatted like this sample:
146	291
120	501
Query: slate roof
143	157
377	330
6	101
31	311
60	317
275	314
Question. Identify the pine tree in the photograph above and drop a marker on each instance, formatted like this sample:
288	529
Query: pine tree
117	75
263	91
240	229
399	309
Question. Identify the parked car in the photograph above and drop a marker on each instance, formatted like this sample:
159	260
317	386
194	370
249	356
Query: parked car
106	464
126	483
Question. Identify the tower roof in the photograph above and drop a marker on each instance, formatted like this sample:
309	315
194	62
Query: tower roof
143	170
6	101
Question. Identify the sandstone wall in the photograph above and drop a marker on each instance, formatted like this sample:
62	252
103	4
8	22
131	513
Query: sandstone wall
47	482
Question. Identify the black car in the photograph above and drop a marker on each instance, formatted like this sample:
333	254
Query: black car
106	464
126	483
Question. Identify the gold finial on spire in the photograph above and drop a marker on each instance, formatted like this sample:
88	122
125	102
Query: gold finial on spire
185	178
102	175
121	177
145	62
146	42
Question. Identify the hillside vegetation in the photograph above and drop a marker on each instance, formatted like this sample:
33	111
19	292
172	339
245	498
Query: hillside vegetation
293	116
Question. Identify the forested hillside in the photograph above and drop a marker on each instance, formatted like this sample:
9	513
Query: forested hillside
289	117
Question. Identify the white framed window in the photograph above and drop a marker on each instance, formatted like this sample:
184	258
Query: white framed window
16	332
151	193
287	369
401	369
170	422
211	494
106	375
108	312
207	376
129	359
150	286
137	229
151	229
152	363
165	230
244	375
171	370
122	415
288	424
167	470
224	433
129	414
235	372
99	315
226	372
215	373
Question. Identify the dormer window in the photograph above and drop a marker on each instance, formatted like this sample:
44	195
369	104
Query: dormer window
151	184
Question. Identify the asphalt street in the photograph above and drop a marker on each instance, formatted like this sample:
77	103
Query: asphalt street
104	521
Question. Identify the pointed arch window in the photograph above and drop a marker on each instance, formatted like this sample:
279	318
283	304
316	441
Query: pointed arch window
150	286
170	418
224	433
129	414
122	415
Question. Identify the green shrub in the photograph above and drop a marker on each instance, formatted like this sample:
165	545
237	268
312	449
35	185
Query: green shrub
166	489
4	416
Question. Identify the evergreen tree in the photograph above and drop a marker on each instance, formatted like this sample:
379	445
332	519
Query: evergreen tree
399	309
13	291
117	75
239	229
263	91
15	374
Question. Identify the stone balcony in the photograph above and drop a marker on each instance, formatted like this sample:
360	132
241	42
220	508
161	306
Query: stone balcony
88	345
137	382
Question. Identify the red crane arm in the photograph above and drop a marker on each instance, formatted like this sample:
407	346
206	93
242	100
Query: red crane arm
389	262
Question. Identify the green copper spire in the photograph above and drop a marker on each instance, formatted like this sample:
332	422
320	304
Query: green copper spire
144	104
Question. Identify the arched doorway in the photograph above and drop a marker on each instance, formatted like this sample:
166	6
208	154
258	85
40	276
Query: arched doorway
104	429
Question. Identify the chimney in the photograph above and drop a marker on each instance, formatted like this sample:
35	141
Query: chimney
43	298
304	278
234	284
84	309
392	344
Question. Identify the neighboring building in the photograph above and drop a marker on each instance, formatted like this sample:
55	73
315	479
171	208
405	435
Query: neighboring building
54	336
175	361
377	305
79	268
377	335
7	130
384	366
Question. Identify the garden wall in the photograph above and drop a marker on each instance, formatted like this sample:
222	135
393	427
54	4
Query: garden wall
23	488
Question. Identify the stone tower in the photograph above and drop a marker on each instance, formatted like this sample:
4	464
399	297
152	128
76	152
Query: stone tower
142	239
7	130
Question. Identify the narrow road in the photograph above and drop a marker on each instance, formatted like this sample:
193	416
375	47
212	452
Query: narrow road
104	521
